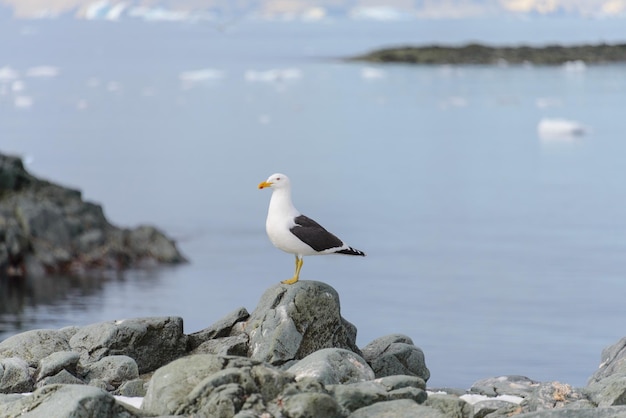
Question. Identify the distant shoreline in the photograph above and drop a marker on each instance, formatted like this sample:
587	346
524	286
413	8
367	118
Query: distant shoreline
481	54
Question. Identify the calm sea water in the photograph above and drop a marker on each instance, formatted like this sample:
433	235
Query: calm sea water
497	251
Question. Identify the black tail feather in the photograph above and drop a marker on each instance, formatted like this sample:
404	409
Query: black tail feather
351	251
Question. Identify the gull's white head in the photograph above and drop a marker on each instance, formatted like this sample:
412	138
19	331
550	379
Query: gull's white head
275	181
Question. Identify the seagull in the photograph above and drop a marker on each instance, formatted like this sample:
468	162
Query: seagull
295	233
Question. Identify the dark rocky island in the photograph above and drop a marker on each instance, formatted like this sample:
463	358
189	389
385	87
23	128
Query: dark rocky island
46	228
294	356
487	55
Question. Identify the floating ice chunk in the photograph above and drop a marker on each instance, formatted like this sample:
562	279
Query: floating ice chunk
560	129
274	75
43	71
577	66
204	74
8	74
371	73
23	102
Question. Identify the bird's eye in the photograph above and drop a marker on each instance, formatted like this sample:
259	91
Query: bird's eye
277	178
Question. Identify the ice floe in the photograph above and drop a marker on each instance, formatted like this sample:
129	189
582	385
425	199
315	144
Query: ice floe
560	129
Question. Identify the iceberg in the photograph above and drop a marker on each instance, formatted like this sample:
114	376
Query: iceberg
560	129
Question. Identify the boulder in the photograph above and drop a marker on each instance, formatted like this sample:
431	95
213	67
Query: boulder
151	342
451	406
293	321
210	385
402	408
33	346
608	412
68	401
219	329
113	370
55	362
226	346
15	376
62	377
333	366
308	405
610	391
505	385
396	355
612	361
358	395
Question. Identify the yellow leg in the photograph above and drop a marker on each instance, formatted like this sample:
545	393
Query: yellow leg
296	276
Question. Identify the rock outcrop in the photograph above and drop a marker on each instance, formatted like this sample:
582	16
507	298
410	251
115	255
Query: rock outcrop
46	228
297	358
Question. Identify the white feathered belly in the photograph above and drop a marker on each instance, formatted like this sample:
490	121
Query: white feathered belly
283	239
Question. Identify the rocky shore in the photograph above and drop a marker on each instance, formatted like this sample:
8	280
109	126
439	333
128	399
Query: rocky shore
48	229
294	356
486	55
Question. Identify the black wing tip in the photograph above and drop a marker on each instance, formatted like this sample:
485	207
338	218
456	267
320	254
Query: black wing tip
352	251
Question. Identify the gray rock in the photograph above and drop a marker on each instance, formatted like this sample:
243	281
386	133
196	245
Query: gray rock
46	228
402	408
608	412
612	361
69	401
333	366
401	381
415	394
505	385
227	346
293	321
310	405
32	346
451	406
132	388
353	396
550	395
396	355
62	377
221	328
55	362
610	391
15	376
212	385
151	342
147	242
486	407
114	370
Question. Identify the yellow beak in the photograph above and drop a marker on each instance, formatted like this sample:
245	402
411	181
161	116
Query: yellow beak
265	184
